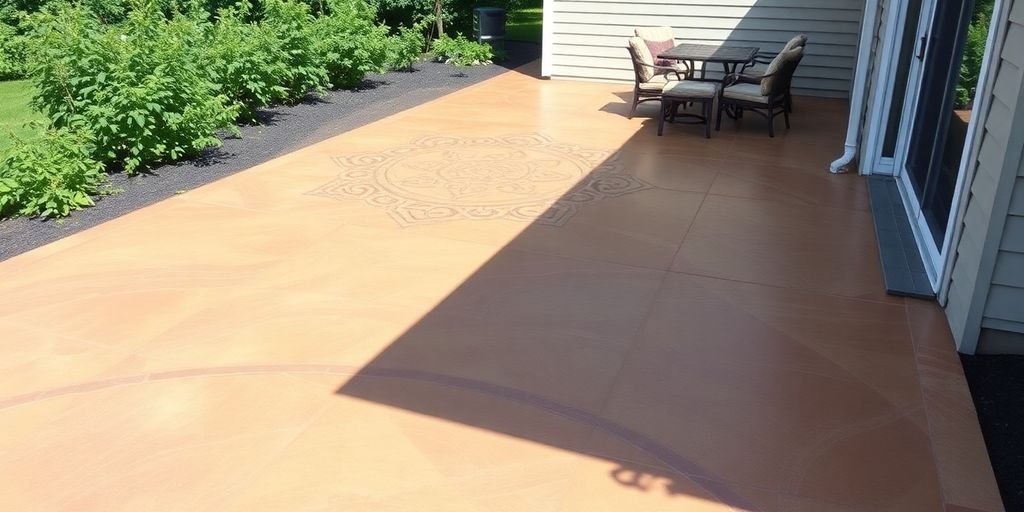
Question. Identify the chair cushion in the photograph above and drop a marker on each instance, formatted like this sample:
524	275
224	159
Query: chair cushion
658	39
643	55
796	42
690	89
658	82
768	84
745	92
655	33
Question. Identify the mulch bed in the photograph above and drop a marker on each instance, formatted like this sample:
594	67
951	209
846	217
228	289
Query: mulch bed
997	384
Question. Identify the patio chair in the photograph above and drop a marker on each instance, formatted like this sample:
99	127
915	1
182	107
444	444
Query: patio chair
763	94
765	58
659	40
648	78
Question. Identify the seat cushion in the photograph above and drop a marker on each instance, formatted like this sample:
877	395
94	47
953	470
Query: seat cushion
658	82
796	42
690	89
745	92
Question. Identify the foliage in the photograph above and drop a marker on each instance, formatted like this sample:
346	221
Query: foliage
246	61
290	23
134	86
461	51
348	43
408	44
13	43
456	14
50	177
974	53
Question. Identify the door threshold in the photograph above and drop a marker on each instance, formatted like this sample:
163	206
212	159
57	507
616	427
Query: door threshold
902	266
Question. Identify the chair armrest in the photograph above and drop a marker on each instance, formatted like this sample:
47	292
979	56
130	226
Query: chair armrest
666	69
740	78
759	58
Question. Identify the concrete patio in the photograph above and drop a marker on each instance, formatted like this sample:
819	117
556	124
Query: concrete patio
511	298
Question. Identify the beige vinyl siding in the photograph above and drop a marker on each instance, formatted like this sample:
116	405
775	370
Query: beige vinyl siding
987	281
589	37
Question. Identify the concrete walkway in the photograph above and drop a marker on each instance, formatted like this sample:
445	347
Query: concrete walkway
509	299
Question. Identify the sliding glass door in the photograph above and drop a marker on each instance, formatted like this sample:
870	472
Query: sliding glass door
936	109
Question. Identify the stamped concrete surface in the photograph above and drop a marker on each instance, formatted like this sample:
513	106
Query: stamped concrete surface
510	298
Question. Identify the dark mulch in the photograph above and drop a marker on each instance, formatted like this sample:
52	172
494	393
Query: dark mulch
997	384
284	130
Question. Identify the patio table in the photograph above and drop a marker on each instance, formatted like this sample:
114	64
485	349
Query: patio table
729	56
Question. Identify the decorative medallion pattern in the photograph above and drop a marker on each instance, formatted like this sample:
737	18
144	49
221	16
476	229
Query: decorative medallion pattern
520	177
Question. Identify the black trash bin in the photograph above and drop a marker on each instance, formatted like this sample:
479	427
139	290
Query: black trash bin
489	26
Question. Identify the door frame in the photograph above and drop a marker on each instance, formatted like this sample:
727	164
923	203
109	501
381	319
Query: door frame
884	90
938	260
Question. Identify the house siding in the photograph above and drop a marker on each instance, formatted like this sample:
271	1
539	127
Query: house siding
588	37
986	293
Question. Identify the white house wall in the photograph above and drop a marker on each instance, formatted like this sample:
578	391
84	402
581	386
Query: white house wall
588	38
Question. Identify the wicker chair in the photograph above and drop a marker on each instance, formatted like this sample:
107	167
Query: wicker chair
649	79
763	94
764	58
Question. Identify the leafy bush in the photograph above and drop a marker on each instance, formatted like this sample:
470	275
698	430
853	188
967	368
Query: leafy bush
246	61
50	177
407	45
974	53
461	51
134	86
349	43
13	43
290	23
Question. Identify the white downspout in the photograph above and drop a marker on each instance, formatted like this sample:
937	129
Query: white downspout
860	88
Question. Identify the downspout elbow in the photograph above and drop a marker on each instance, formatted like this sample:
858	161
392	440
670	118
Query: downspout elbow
843	163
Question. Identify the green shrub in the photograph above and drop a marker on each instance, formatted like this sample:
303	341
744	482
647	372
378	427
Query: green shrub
407	45
349	43
50	177
246	61
461	51
974	53
136	86
291	23
13	43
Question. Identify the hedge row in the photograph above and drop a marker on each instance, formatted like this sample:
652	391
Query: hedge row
152	87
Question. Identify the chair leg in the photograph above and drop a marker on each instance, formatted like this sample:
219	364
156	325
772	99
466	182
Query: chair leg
707	118
661	116
789	102
632	109
718	121
785	114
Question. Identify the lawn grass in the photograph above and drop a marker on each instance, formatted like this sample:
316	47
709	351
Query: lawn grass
525	25
15	113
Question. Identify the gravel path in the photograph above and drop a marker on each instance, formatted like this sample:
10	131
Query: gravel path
286	129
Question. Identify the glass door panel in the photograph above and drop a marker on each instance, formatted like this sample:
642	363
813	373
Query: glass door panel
904	66
937	140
